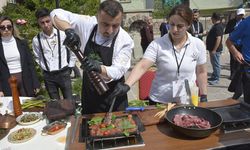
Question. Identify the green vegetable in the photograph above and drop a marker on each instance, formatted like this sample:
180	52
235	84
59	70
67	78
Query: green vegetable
125	124
33	103
138	103
95	120
160	106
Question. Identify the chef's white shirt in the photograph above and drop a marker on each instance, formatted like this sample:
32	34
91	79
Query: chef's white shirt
161	52
84	25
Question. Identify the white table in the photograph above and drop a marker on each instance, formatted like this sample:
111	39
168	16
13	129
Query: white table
38	142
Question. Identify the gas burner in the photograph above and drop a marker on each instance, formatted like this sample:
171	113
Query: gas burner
235	117
228	127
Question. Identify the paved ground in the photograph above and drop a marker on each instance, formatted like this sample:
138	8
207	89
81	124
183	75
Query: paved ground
216	92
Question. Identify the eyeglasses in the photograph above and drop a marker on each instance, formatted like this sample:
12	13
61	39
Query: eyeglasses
8	27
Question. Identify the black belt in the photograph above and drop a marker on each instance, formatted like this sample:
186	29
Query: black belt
57	71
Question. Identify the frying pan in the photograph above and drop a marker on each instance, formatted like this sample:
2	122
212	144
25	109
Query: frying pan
214	119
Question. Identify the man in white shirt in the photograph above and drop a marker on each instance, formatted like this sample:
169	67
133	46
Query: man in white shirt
53	57
107	46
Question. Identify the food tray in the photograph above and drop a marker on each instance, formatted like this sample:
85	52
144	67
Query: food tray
85	128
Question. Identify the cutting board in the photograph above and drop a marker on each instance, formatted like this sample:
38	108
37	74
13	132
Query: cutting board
147	117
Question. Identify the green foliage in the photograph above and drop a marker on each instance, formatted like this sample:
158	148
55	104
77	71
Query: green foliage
77	86
26	10
160	10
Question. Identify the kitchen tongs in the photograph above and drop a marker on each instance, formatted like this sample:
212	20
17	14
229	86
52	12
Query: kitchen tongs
108	117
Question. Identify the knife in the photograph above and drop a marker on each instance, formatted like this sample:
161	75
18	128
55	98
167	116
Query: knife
188	90
133	108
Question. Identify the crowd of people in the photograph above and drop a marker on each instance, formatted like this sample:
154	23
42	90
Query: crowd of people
179	54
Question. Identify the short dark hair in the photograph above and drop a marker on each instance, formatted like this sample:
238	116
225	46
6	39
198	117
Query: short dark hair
196	10
216	16
42	12
184	12
111	7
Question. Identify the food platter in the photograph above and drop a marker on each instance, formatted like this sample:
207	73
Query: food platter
53	128
29	118
21	135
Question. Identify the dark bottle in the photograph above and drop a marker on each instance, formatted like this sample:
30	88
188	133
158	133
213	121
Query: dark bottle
95	78
15	95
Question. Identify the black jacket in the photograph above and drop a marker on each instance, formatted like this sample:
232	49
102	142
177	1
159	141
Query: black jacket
29	76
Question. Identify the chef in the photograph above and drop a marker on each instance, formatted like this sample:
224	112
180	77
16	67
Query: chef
107	46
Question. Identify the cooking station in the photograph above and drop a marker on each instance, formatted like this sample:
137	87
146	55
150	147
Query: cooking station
158	135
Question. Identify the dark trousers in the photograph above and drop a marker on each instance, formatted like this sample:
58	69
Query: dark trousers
58	80
246	86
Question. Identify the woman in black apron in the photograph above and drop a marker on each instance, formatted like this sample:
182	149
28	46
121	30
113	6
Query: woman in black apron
92	102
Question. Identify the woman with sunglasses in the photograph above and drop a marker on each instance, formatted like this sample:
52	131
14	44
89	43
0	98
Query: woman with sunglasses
16	60
178	56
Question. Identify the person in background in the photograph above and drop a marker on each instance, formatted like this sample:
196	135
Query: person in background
235	68
146	32
16	60
214	46
107	46
242	33
196	28
52	56
164	27
178	56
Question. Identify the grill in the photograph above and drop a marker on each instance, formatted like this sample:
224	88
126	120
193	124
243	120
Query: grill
235	117
115	142
112	142
229	127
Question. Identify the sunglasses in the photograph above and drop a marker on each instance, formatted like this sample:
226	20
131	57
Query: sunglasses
8	27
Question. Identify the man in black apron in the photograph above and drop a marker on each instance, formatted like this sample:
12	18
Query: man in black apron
107	46
95	102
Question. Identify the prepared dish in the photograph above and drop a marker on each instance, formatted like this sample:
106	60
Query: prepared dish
29	118
53	128
123	125
21	135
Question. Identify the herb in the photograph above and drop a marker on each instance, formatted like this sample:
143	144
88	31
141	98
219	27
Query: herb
95	120
138	103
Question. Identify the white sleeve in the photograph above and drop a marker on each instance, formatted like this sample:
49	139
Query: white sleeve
202	58
151	51
121	61
36	49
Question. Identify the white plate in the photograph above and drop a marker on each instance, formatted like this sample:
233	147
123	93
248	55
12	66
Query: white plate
38	115
27	138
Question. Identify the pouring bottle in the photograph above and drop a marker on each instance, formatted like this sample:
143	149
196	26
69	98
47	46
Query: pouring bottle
15	95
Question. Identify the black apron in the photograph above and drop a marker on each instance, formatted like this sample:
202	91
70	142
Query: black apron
92	102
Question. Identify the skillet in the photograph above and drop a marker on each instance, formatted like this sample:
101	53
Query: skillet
214	119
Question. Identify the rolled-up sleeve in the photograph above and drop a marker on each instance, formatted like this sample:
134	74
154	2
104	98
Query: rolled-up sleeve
121	57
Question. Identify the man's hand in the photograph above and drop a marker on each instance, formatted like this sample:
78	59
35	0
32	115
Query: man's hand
92	65
120	89
1	94
72	39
